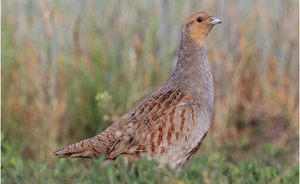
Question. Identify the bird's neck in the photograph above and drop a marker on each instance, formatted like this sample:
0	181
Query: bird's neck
194	69
192	58
191	54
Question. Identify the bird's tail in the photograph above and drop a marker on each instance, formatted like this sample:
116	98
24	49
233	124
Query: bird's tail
82	149
89	148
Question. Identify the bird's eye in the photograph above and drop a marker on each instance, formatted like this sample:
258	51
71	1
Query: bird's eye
199	20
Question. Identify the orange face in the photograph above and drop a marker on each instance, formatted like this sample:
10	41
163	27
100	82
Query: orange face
199	25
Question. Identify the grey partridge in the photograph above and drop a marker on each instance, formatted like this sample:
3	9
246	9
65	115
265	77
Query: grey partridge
171	123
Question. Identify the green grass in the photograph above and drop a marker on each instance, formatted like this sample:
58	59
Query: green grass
266	166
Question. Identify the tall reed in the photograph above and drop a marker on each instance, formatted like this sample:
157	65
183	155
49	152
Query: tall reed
57	56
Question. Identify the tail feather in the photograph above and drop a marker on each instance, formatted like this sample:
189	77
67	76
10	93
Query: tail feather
89	148
93	147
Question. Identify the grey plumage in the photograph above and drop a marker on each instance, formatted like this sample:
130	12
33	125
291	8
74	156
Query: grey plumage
171	123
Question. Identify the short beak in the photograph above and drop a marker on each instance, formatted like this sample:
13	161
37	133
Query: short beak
215	20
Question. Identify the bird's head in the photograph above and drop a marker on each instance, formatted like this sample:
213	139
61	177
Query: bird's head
199	25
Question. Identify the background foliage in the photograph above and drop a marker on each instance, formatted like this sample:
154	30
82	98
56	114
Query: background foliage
71	68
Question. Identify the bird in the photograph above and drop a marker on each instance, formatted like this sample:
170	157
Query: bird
171	123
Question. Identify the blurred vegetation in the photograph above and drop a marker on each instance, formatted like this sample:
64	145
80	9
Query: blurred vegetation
71	68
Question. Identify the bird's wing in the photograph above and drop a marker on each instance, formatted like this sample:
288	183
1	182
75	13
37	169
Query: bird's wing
159	120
